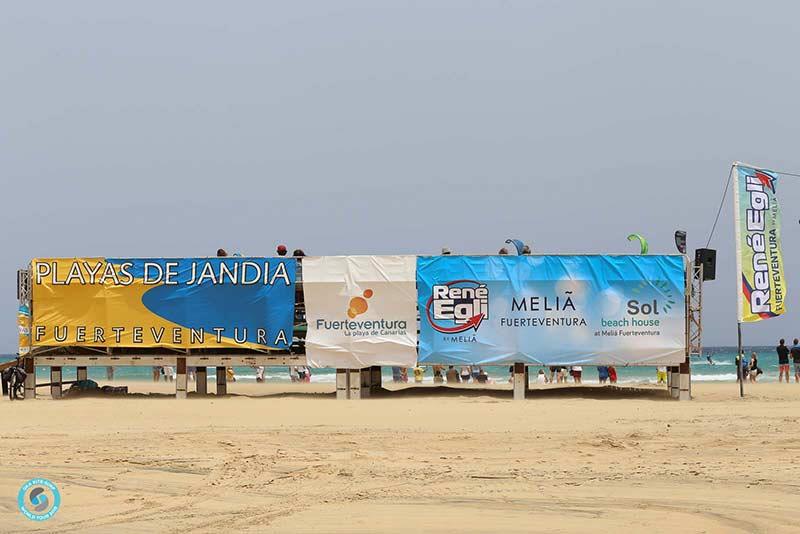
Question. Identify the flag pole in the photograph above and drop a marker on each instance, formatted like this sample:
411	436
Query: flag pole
739	356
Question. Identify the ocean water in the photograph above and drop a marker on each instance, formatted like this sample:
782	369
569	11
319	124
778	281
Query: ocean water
720	369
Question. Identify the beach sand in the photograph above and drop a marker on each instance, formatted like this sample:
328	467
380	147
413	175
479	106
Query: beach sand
421	460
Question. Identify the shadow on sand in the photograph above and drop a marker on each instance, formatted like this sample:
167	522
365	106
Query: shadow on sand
565	392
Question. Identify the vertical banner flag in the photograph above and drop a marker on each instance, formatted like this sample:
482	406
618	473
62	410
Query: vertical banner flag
178	303
361	311
759	259
552	310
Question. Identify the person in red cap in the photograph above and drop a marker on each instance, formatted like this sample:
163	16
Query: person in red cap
281	250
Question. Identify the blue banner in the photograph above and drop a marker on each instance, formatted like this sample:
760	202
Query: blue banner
552	310
186	303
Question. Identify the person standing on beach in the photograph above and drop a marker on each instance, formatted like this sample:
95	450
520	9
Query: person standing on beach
396	377
577	371
466	373
661	374
612	374
783	361
156	373
795	352
745	368
437	374
482	378
452	375
602	373
755	370
419	374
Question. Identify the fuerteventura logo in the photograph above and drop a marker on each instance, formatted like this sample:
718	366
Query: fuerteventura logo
353	327
457	306
359	305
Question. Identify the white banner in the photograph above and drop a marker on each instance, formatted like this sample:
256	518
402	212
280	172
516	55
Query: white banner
361	311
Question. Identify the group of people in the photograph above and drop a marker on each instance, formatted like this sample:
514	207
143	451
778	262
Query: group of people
167	372
478	375
560	374
785	354
750	368
787	357
299	373
525	251
280	250
462	375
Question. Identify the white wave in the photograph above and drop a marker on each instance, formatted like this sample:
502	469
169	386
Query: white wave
727	377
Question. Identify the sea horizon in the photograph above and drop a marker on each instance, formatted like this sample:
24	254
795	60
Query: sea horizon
716	365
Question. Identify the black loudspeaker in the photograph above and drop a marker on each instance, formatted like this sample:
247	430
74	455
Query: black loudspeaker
708	257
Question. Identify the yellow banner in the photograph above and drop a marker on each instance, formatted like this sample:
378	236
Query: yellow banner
759	258
178	303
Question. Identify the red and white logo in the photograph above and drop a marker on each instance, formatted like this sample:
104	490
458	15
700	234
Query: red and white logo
457	306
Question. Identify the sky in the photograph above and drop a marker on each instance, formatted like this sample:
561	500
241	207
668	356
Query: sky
148	129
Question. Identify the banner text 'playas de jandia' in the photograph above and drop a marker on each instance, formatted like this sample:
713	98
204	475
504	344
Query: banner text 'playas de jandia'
178	303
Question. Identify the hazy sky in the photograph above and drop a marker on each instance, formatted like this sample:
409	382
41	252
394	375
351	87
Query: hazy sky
153	128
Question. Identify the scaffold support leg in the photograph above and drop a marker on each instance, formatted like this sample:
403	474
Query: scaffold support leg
55	382
222	381
376	382
202	380
355	384
684	391
366	382
675	382
30	380
342	384
520	381
180	380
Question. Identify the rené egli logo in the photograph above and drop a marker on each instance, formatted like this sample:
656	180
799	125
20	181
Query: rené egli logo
458	306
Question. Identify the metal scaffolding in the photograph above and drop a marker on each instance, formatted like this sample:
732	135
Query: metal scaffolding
695	311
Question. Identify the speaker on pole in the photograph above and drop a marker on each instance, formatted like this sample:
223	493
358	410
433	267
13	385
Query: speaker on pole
707	257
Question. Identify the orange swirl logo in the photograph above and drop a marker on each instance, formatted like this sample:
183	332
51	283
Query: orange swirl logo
359	305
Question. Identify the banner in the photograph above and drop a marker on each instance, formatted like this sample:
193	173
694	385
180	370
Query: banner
361	311
179	303
566	310
24	328
759	259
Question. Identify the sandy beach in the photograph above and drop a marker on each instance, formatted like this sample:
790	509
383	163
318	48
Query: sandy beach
424	460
